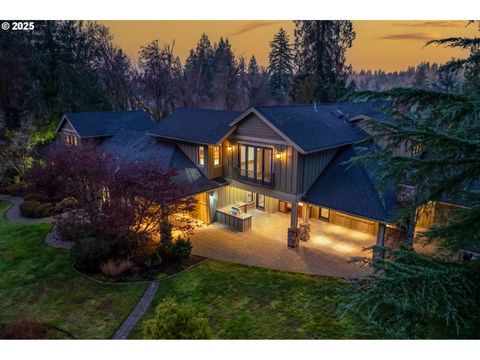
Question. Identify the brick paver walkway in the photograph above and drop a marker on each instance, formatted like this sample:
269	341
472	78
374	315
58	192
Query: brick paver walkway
127	326
265	245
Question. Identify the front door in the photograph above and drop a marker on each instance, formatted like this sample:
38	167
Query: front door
261	202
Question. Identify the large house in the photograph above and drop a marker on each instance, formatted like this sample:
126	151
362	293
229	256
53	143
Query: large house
289	159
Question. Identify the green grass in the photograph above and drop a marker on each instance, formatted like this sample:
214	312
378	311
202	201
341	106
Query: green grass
37	281
243	302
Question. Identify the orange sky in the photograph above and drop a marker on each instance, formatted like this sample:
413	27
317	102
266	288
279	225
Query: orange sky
390	45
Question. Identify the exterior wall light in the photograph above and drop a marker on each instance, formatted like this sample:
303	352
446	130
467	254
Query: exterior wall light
278	155
230	148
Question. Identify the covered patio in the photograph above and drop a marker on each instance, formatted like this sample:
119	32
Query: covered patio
265	245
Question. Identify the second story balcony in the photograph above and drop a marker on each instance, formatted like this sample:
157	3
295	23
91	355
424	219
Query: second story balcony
259	178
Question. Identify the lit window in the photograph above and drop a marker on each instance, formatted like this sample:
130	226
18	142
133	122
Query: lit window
216	155
249	197
201	155
416	149
71	139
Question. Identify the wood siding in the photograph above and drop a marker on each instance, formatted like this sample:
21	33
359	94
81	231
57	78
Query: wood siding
311	166
255	127
212	170
209	170
229	195
202	211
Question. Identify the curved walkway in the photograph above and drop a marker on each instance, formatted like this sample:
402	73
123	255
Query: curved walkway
13	214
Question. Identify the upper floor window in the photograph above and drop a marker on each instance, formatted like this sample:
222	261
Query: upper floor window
201	155
216	155
71	139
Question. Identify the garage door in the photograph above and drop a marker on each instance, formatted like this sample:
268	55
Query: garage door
354	223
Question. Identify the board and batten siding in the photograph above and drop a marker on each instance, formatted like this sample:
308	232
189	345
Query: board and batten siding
254	131
229	195
253	126
311	166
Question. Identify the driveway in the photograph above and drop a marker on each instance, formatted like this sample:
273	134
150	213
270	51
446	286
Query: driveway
265	245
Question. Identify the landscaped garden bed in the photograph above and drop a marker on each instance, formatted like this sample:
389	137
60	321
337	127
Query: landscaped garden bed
38	282
149	273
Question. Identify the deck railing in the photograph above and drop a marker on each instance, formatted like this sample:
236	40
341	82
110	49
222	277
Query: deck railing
265	179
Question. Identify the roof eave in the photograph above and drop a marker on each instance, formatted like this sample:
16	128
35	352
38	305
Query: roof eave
180	139
335	146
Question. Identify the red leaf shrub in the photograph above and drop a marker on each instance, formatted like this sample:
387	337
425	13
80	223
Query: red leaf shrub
133	201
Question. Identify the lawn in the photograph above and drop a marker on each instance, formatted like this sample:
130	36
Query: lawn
243	302
38	282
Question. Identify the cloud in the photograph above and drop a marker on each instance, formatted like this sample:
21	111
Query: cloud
411	36
433	23
252	25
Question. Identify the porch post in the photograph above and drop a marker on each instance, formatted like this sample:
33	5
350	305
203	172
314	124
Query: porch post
379	250
292	239
304	230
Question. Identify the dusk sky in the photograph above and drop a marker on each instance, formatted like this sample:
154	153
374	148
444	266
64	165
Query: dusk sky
390	45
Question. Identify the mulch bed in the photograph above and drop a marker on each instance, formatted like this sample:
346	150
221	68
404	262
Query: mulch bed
144	273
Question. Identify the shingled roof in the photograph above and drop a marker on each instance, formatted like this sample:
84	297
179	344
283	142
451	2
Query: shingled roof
317	127
107	123
138	147
352	189
196	125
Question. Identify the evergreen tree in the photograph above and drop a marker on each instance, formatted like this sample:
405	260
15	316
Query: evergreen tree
199	73
226	72
280	66
320	60
413	296
257	82
420	79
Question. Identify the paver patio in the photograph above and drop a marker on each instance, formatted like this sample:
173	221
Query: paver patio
265	245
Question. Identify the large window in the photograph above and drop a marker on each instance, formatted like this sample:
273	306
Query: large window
216	156
201	155
255	163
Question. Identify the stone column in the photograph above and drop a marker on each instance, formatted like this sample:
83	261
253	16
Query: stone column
304	230
292	239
